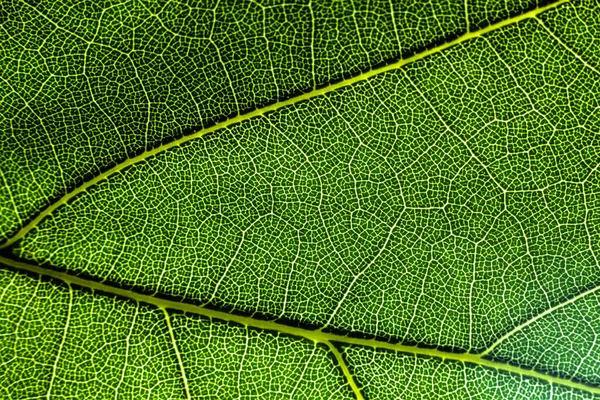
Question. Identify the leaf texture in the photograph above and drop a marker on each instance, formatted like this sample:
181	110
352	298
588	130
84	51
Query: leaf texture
68	344
87	84
400	201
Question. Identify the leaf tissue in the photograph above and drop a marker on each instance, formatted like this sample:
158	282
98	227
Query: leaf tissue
307	199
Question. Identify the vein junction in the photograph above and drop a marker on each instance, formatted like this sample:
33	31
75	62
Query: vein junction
317	336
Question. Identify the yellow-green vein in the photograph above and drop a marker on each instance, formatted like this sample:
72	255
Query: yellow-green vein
317	335
345	370
270	108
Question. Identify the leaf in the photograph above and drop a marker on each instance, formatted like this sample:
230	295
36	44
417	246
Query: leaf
300	200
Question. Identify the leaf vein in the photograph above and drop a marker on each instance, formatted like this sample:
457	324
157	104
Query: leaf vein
239	118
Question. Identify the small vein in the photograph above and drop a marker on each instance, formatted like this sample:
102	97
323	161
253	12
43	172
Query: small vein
241	368
308	362
467	22
539	316
451	131
393	15
10	197
567	47
177	354
313	60
44	128
365	269
220	57
127	347
319	178
62	344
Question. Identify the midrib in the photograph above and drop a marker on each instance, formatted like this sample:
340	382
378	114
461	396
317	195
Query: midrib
317	335
267	109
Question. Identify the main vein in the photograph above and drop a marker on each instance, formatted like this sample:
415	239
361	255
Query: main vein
270	108
317	335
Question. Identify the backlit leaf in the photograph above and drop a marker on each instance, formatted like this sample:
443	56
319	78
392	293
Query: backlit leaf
319	200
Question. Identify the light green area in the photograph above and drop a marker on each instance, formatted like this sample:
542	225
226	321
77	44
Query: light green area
60	344
232	361
331	340
84	84
32	321
449	199
565	341
386	375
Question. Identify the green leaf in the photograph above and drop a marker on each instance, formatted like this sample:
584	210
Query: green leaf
345	200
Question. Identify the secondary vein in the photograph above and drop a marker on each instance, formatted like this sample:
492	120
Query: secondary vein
317	335
345	370
267	109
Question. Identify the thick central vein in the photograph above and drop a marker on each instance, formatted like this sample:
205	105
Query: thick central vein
317	336
271	108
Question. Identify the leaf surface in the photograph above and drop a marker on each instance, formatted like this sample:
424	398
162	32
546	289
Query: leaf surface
366	221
